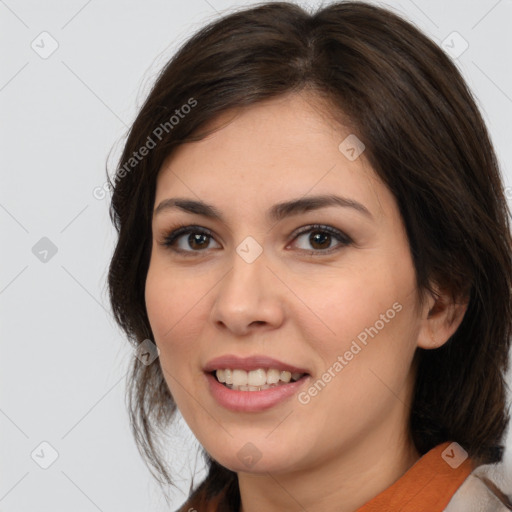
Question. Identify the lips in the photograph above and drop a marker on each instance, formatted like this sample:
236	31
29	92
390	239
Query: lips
249	399
251	363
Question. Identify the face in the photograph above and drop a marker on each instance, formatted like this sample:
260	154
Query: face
327	291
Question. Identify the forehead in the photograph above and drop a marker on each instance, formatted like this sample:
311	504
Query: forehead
286	147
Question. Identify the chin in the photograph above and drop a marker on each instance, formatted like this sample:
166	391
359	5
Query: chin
251	459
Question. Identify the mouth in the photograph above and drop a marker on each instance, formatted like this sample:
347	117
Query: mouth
253	384
258	379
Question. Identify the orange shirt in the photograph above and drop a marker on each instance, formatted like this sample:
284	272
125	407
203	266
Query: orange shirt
427	486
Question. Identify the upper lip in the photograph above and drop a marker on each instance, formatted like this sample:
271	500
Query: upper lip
250	363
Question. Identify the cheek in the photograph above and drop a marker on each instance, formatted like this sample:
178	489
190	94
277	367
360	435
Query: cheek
351	299
367	312
364	366
173	308
169	298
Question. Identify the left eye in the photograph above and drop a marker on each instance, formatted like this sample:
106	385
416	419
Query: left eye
320	237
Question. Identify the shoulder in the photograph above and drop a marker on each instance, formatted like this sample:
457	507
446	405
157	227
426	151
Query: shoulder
484	490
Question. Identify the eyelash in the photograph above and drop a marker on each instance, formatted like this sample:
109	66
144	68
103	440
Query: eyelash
172	236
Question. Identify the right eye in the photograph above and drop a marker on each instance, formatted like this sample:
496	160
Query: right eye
198	239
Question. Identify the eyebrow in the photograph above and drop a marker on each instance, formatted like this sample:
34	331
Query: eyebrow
276	213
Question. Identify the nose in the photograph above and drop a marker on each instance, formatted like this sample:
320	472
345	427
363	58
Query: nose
248	297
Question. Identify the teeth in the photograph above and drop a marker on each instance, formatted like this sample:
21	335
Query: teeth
255	380
285	376
257	377
240	378
273	376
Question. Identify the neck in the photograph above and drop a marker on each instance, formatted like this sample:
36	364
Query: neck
342	483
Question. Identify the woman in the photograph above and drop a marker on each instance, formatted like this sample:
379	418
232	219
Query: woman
314	233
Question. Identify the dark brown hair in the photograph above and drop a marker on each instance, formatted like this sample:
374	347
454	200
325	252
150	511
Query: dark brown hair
425	138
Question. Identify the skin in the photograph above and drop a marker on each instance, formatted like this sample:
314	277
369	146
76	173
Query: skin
351	440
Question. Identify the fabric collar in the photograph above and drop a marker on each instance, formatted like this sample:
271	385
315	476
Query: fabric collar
428	485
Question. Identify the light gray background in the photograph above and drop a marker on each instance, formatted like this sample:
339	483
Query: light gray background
63	359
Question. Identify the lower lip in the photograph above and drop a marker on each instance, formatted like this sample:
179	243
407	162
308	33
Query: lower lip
252	401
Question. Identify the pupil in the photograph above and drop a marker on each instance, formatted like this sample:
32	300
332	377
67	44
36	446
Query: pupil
193	238
317	238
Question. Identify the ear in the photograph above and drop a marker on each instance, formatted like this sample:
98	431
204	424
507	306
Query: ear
441	317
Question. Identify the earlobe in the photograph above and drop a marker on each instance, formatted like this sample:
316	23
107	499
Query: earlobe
443	317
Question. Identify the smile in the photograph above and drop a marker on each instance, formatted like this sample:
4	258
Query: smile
253	383
255	380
